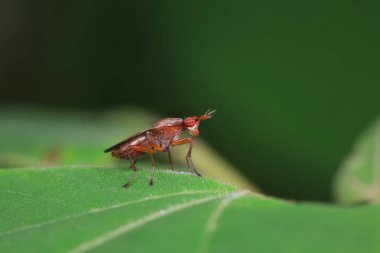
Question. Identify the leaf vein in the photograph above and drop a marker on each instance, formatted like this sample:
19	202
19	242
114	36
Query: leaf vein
215	216
92	211
138	223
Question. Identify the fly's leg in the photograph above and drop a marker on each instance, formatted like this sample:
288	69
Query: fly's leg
149	150
134	171
144	149
134	163
151	182
170	159
190	164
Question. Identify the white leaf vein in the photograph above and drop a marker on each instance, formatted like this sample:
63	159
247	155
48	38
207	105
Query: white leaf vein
98	241
212	223
92	211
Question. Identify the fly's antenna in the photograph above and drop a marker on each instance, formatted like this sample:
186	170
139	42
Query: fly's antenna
207	115
209	112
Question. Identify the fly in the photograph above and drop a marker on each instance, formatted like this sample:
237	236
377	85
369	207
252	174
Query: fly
163	134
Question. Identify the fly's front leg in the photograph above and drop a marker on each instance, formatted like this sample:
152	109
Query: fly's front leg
190	164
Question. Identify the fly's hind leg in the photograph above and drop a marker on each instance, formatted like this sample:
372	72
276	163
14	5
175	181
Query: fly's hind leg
144	149
133	166
151	182
134	163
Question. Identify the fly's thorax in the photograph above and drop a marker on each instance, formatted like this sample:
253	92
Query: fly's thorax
164	136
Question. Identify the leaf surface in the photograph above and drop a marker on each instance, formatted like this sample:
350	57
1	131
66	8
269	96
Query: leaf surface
83	209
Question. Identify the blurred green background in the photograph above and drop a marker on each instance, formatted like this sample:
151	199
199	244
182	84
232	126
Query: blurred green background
293	83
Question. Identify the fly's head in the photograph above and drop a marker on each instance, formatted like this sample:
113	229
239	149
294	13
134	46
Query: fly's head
191	124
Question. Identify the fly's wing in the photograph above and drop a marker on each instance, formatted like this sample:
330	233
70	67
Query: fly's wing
167	122
125	141
163	128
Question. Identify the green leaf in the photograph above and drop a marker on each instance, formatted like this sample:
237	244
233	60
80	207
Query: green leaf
80	209
358	179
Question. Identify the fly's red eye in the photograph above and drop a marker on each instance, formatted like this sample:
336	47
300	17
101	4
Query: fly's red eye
189	122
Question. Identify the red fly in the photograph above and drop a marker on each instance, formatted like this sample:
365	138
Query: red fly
163	134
